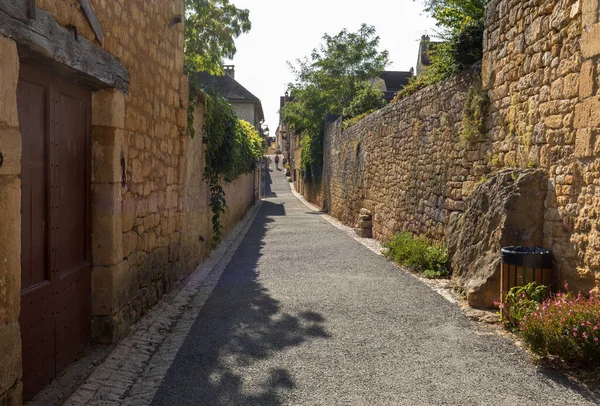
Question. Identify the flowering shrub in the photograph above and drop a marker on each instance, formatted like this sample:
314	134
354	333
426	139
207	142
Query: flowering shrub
519	302
566	326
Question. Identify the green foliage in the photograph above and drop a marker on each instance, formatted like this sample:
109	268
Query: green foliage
333	80
367	99
418	254
211	27
461	26
232	148
473	114
519	302
349	122
566	326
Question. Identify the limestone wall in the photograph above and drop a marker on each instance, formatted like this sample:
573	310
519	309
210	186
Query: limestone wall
10	227
405	163
196	235
151	136
140	176
540	68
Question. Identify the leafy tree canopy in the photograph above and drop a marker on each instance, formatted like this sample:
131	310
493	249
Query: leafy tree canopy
335	79
211	26
460	27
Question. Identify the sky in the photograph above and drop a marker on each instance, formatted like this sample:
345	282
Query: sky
285	30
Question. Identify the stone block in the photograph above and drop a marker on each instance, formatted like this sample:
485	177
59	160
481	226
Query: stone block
365	212
592	105
364	224
589	12
582	115
10	355
107	152
10	248
586	80
10	150
108	108
111	328
584	143
129	243
9	66
113	287
14	396
128	211
364	232
107	224
590	41
179	60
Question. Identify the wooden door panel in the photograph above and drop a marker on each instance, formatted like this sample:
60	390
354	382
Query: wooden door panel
54	119
39	358
73	253
32	104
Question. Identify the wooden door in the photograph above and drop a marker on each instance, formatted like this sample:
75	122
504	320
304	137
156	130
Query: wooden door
54	120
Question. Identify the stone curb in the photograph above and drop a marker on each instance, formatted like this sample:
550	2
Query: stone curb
132	373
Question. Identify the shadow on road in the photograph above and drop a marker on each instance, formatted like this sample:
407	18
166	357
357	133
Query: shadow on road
268	182
240	327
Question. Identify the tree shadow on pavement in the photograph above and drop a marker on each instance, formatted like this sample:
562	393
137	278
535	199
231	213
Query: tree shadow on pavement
268	182
226	359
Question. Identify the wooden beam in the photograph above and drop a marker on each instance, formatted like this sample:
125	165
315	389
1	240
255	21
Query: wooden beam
32	7
93	20
57	49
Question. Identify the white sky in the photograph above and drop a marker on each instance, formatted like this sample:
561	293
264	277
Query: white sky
284	30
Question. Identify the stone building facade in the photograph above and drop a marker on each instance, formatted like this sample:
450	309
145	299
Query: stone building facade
98	178
408	164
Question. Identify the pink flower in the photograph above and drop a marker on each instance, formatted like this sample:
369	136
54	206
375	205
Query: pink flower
595	339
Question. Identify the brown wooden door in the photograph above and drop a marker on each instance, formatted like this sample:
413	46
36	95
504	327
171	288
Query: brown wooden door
54	119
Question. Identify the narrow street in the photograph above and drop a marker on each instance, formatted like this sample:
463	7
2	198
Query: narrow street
305	315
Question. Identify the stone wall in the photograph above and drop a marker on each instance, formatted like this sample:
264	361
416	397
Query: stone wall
140	172
10	227
408	165
405	163
136	240
539	66
245	111
196	235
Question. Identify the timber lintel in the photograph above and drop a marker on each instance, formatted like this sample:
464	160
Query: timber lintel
44	39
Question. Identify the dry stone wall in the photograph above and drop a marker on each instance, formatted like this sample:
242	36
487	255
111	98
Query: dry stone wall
405	163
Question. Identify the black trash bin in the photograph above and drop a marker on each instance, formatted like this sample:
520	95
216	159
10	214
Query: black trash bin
523	265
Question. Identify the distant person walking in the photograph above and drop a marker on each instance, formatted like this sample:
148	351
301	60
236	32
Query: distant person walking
276	161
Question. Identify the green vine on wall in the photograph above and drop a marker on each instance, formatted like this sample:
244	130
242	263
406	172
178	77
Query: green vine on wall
233	147
474	113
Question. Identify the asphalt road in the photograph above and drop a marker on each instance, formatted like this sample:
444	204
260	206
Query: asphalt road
305	315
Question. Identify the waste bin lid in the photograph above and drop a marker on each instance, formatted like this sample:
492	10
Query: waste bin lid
528	257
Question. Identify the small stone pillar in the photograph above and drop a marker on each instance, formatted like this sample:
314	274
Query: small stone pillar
364	226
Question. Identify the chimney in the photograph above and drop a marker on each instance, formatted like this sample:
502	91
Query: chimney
230	70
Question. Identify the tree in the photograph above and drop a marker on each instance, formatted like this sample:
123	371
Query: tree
211	26
461	26
335	79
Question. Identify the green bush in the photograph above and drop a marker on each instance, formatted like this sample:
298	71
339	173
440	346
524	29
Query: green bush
566	326
418	254
519	302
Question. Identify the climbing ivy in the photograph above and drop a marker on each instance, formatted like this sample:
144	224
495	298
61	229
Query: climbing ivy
233	147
